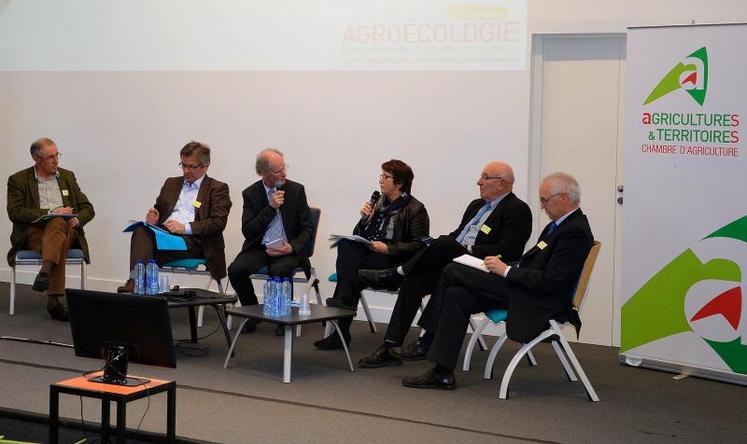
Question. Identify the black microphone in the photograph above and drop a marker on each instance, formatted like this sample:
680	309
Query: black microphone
374	197
279	184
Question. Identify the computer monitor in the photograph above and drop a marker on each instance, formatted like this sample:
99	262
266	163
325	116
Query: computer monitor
121	328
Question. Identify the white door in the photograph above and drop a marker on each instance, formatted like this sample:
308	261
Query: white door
577	91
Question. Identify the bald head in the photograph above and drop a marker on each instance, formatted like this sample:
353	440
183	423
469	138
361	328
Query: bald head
497	179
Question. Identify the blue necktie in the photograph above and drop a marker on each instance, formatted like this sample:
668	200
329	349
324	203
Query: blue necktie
473	222
275	229
551	227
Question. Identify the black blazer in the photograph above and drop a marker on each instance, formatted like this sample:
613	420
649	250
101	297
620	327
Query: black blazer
510	226
411	225
550	273
258	214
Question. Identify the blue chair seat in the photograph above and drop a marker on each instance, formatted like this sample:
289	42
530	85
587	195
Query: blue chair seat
73	253
497	315
332	277
190	263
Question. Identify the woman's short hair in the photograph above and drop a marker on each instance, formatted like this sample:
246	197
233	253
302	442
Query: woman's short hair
402	174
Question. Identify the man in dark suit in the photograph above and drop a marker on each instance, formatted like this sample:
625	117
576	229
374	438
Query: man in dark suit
45	190
534	290
276	224
193	206
498	223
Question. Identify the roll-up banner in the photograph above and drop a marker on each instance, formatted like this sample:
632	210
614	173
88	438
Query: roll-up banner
684	299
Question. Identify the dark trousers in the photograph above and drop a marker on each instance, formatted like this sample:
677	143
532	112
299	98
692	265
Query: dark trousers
351	257
462	291
52	239
143	247
249	262
422	274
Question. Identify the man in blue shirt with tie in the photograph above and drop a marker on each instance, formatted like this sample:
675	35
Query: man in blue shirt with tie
193	206
276	224
498	223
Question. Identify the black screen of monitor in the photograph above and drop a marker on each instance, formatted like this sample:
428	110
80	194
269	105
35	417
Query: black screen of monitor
115	326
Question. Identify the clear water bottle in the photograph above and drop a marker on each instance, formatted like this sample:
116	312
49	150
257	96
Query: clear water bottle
151	278
139	277
287	296
269	303
277	294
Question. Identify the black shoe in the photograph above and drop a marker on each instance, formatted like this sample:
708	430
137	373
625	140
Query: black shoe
337	303
250	326
415	351
379	358
280	330
127	287
331	342
41	283
431	380
387	279
59	312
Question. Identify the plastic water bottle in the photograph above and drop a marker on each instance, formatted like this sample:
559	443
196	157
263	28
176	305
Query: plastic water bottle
151	278
277	294
269	303
139	277
287	296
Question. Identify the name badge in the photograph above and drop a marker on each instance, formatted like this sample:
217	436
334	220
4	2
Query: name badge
196	203
485	229
541	245
65	193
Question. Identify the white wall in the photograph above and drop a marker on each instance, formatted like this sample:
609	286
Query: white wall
120	131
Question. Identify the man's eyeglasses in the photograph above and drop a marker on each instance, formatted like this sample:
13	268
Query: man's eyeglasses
544	200
485	177
282	170
188	167
383	177
54	156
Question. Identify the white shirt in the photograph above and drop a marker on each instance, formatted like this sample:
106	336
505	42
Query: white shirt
184	210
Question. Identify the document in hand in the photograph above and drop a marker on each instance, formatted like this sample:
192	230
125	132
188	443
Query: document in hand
471	261
50	216
335	238
164	239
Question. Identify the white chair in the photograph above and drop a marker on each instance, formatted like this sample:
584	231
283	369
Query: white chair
554	333
74	256
193	267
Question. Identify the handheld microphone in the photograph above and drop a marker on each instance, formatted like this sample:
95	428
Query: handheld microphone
374	197
279	184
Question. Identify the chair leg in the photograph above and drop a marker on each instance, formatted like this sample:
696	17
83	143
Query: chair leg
503	393
477	333
488	374
569	373
83	274
590	392
12	307
371	324
480	339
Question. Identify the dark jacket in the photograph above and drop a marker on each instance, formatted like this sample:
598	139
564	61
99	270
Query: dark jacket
510	225
210	218
411	225
23	207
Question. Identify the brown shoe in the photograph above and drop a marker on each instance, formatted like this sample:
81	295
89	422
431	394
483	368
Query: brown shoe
128	287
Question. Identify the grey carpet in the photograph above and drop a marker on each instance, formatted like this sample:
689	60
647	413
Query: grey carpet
327	403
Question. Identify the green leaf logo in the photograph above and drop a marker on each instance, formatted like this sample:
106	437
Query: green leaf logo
691	74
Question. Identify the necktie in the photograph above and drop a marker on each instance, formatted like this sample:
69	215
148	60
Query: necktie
472	222
551	227
275	229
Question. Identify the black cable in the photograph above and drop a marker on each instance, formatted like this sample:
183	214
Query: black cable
35	341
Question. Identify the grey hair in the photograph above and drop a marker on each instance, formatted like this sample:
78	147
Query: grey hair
564	183
262	166
39	144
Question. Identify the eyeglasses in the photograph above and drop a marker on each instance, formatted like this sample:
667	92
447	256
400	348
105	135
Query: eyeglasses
54	156
485	177
188	167
282	170
544	200
384	177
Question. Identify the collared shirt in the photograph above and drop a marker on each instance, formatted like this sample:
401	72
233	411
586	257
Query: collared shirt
470	231
50	196
270	233
184	210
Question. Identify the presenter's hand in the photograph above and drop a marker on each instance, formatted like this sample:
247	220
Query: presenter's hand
278	197
366	210
152	216
283	250
73	222
62	210
379	247
495	265
174	226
